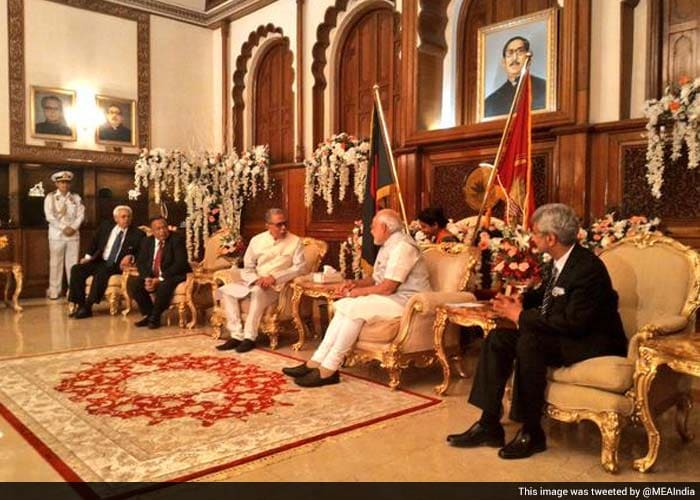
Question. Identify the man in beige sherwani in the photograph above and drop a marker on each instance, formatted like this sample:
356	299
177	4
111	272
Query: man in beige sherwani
399	273
272	259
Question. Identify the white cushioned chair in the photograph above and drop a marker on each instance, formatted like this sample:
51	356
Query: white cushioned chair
277	317
397	342
658	282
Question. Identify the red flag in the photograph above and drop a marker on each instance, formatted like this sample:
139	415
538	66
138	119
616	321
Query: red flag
515	168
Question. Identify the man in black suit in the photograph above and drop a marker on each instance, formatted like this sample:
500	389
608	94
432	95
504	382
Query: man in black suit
54	122
114	246
113	129
162	265
498	102
571	317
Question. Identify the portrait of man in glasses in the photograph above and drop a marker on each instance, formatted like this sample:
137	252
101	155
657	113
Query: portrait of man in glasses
513	58
272	258
49	110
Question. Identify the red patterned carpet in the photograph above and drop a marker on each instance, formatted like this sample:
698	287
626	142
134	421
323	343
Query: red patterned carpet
177	409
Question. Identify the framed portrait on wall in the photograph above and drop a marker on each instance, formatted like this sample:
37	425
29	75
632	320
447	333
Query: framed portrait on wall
118	121
502	51
51	113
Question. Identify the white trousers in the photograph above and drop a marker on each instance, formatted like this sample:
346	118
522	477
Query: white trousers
62	255
260	299
340	336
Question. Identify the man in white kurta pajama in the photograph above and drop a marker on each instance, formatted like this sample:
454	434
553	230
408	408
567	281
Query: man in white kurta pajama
271	259
64	212
399	272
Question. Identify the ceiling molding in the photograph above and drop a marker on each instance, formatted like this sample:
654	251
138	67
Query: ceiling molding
226	10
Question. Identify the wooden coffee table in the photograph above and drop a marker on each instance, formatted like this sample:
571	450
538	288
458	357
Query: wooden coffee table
479	314
12	270
681	354
305	287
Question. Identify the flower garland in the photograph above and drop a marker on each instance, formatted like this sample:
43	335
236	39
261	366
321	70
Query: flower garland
205	182
352	247
330	163
605	231
678	108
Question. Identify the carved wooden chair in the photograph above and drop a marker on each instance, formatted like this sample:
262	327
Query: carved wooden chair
398	342
278	317
658	282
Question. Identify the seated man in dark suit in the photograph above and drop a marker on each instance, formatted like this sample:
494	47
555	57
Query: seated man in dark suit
114	246
499	101
162	265
571	317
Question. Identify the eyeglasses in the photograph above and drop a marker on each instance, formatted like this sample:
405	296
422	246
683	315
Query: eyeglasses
519	51
278	225
52	108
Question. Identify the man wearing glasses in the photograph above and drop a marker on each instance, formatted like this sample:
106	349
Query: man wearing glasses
54	122
272	258
498	102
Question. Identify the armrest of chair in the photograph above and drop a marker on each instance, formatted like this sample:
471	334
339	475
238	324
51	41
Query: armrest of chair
424	304
662	326
225	276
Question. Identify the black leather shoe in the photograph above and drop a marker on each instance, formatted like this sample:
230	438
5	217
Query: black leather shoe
229	344
83	312
523	445
142	322
478	435
246	345
314	379
296	371
153	324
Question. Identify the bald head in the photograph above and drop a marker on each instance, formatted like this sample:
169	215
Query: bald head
385	223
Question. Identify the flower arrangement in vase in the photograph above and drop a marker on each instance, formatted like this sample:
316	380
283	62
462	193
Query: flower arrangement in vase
607	230
515	259
679	110
331	163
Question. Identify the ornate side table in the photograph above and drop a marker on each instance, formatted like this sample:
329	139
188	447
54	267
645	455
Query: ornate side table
305	287
474	314
12	270
681	354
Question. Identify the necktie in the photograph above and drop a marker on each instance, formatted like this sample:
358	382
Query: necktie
157	259
112	259
547	299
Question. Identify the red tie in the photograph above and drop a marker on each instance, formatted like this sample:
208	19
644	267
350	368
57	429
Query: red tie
156	261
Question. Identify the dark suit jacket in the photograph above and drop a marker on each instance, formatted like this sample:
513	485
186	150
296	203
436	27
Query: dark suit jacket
583	315
130	245
173	264
107	133
53	128
498	102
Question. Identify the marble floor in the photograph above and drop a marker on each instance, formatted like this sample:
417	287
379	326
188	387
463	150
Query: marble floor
408	448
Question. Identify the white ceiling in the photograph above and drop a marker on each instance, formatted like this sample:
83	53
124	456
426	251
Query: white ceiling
197	5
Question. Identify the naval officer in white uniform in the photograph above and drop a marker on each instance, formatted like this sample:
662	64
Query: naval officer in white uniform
65	213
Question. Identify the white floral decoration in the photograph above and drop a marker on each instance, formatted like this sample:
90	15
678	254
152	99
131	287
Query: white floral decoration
204	180
331	162
679	110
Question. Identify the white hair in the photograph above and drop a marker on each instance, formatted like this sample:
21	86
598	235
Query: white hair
118	208
390	219
272	211
557	219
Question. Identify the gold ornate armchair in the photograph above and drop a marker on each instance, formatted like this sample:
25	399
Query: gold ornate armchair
396	343
658	282
277	317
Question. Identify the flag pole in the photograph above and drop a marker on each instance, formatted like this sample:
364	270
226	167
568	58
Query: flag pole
499	151
389	152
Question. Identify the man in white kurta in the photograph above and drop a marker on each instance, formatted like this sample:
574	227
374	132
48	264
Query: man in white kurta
64	212
399	273
271	259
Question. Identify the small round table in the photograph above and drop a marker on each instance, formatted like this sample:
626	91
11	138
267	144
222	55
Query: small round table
12	270
305	287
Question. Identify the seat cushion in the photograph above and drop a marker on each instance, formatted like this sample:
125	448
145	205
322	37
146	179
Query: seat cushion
609	373
576	397
380	330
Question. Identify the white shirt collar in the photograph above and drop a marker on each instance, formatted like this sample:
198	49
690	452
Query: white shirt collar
561	261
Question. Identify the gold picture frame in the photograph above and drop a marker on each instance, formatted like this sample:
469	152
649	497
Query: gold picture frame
501	50
51	113
116	128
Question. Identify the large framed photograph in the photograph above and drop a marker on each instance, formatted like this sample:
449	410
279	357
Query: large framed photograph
51	113
502	52
118	126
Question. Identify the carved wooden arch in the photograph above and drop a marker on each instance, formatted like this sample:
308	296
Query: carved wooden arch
319	62
239	75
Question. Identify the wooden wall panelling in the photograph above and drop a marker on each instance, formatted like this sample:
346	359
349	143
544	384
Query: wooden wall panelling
571	166
431	52
4	194
681	37
253	216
